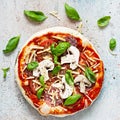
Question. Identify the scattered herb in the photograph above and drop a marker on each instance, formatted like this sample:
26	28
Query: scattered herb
112	44
60	48
104	21
5	70
37	16
41	79
32	65
72	99
12	44
56	70
69	78
40	92
90	75
71	12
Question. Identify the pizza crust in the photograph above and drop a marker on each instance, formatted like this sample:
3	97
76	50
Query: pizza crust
40	33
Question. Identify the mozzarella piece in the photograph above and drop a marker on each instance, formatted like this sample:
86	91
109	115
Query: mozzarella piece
45	109
43	68
72	57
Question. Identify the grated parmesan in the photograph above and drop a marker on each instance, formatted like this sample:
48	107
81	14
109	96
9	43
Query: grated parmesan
58	38
45	50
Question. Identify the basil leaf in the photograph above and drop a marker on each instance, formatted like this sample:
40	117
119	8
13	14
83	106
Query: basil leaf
41	79
90	75
69	78
72	99
32	65
12	44
56	60
40	92
104	21
71	12
60	48
112	44
5	70
37	16
56	70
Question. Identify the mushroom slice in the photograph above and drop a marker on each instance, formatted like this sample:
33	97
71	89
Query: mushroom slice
43	68
72	57
83	83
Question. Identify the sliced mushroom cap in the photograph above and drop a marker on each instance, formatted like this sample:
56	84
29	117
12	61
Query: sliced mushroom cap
72	57
43	68
83	83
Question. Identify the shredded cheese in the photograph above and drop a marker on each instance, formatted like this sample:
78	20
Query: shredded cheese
96	65
32	55
95	71
55	14
35	81
31	77
45	50
89	57
81	67
59	38
88	97
79	27
36	47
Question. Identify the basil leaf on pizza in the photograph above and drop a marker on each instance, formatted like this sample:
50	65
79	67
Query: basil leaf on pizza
72	99
32	65
71	12
52	73
60	48
37	16
12	44
90	75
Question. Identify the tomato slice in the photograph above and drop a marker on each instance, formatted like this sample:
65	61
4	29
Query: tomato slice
46	43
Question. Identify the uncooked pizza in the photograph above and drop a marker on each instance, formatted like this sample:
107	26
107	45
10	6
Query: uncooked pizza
59	72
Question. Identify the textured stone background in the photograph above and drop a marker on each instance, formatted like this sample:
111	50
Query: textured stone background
13	22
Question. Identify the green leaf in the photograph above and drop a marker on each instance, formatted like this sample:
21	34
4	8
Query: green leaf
72	99
41	79
112	44
56	70
60	48
71	12
40	92
69	78
32	65
37	16
56	59
5	70
104	21
12	44
90	75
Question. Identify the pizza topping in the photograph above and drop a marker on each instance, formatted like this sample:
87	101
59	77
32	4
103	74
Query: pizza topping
72	99
56	59
40	92
83	82
60	48
45	50
32	65
59	38
72	57
43	68
69	78
41	79
32	56
90	75
56	70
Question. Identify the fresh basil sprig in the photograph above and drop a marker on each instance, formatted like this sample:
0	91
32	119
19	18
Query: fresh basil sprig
112	44
69	78
5	70
104	21
56	70
71	12
90	75
72	99
12	44
42	82
32	65
37	16
60	48
40	92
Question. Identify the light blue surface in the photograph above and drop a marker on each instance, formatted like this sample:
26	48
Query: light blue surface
12	22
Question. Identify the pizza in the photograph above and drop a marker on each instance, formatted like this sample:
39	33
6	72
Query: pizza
59	72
